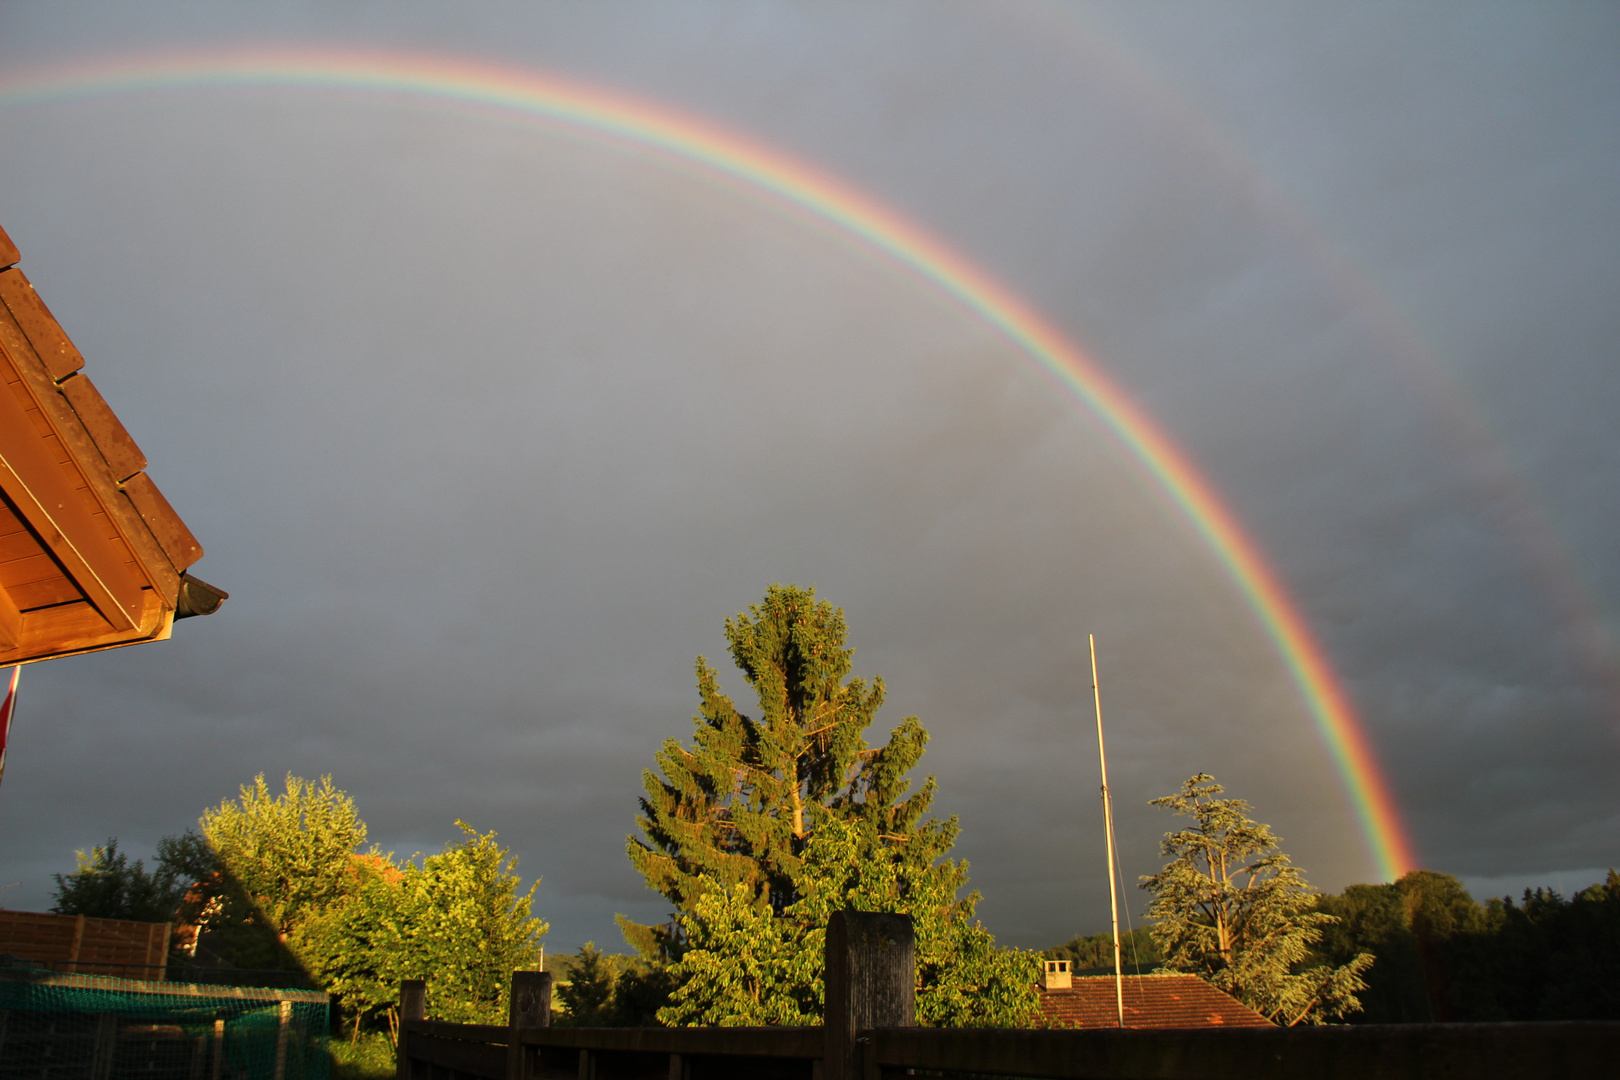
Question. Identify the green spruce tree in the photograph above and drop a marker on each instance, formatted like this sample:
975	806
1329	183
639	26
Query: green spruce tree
730	830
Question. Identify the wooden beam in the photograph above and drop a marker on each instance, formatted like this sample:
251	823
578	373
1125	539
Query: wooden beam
49	495
10	623
55	514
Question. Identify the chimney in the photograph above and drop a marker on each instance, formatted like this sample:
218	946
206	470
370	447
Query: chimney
1056	975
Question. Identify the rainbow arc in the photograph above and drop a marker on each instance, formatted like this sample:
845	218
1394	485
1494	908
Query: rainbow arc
725	154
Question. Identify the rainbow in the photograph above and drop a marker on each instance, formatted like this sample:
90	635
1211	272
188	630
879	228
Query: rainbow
717	152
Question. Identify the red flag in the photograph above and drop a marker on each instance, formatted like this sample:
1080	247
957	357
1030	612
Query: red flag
6	710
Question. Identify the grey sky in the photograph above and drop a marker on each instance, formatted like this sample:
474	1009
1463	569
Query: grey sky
488	428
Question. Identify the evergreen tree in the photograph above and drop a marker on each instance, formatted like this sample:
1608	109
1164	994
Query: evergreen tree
740	806
771	822
587	996
1233	909
743	966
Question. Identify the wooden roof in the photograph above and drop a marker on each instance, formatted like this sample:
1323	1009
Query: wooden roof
91	554
1151	1001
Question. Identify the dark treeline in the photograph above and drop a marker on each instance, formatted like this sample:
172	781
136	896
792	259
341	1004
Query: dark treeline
610	990
1443	957
1093	954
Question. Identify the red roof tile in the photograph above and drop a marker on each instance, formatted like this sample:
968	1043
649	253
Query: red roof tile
1151	1001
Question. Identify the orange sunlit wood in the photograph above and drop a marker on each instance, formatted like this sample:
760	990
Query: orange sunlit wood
92	556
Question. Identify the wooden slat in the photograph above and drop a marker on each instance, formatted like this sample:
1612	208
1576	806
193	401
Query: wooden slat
51	499
124	458
29	566
8	251
18	543
478	1033
475	1059
79	453
44	333
44	592
68	628
10	623
171	533
775	1042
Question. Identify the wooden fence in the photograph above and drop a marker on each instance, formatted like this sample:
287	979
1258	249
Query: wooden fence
86	946
870	980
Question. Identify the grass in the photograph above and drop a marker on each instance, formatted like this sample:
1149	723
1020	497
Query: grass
370	1057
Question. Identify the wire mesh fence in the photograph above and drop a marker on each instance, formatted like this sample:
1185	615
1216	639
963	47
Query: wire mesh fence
87	1027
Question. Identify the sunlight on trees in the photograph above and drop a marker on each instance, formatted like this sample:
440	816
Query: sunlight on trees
1232	909
772	822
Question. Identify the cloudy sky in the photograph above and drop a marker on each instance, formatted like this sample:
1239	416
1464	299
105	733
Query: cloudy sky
488	424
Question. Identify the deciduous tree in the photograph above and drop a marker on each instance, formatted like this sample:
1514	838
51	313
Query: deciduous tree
1231	908
456	919
290	854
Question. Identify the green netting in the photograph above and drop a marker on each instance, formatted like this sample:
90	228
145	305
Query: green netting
90	1027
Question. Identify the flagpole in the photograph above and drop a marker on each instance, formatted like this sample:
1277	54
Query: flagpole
1108	826
7	707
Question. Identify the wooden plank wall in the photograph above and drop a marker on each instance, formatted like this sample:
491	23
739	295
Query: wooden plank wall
131	950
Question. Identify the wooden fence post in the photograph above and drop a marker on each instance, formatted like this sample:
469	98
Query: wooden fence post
217	1066
871	982
412	1006
283	1032
528	1005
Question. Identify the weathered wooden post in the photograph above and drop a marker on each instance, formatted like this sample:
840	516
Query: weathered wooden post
528	1005
283	1032
871	983
412	1006
217	1068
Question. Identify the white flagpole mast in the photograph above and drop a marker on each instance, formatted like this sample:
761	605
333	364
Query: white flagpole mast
1108	825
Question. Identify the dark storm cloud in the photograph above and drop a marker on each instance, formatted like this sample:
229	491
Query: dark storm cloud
487	431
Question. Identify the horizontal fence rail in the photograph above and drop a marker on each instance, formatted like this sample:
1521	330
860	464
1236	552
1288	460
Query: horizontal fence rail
1505	1051
869	995
1428	1051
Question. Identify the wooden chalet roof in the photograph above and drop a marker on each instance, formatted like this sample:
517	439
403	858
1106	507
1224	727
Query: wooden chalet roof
91	554
1151	1001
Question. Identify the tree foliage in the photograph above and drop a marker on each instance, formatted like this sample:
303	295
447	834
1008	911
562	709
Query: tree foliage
290	854
745	966
587	996
456	919
1444	957
1140	952
772	821
740	806
106	885
1231	908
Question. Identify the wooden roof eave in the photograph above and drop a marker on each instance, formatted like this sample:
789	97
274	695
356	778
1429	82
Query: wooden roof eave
107	554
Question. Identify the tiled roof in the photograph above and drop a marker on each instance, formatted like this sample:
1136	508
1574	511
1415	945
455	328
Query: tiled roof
1151	1001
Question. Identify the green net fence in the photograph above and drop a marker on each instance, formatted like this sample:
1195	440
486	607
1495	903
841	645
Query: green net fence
89	1027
